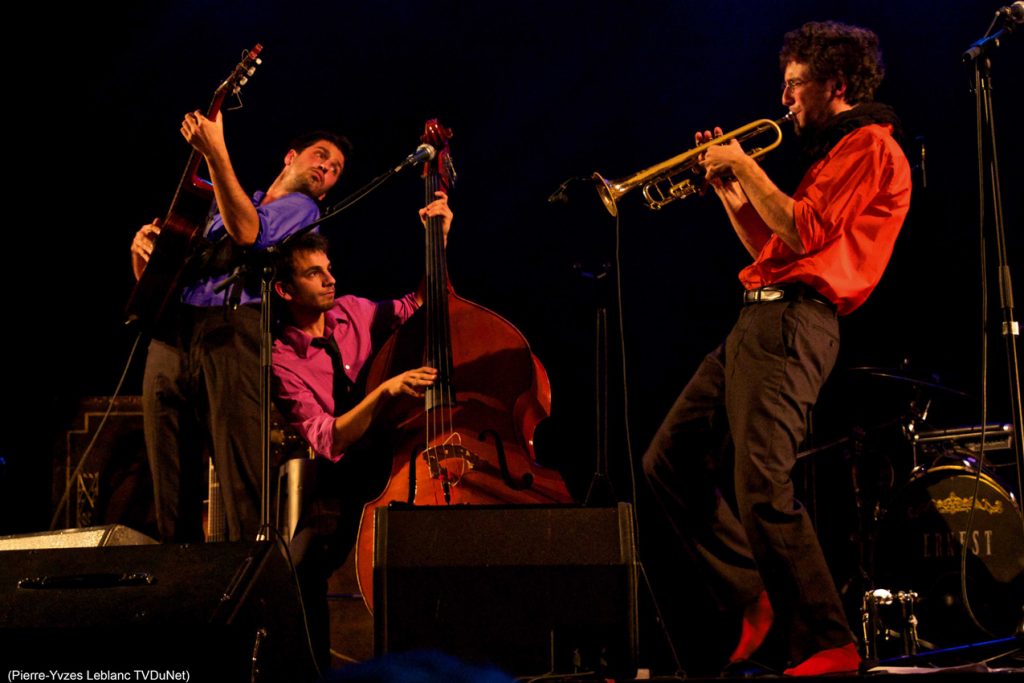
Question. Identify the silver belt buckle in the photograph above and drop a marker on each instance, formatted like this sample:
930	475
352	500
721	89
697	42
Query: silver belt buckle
764	294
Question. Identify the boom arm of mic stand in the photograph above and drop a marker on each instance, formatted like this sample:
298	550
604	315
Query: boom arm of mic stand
981	47
344	204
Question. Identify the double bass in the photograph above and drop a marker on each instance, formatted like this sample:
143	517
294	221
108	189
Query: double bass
471	441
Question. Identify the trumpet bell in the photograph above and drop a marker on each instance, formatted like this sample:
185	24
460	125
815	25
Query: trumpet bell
609	195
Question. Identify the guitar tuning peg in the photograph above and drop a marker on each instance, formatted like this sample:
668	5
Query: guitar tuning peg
258	61
243	80
251	71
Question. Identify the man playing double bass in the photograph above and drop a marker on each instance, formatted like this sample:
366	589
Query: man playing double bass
330	411
320	357
201	383
817	253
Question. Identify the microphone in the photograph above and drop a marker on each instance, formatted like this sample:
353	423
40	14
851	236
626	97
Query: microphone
423	153
1013	13
1010	14
559	196
920	166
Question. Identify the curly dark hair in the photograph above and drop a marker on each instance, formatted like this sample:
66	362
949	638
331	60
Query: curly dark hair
833	50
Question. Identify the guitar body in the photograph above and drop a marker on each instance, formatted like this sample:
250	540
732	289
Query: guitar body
179	232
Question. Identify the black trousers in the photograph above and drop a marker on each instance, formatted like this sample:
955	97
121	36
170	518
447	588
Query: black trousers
328	528
200	394
750	399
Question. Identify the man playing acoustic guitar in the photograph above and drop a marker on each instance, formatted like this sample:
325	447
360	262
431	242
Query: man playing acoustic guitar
201	383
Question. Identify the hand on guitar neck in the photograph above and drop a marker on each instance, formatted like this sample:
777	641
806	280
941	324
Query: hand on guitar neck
240	219
207	137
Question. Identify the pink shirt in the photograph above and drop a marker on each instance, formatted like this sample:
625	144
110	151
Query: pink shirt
304	374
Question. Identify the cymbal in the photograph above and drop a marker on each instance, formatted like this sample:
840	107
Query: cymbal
898	375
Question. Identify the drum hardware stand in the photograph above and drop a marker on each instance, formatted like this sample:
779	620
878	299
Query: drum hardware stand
875	627
966	441
910	428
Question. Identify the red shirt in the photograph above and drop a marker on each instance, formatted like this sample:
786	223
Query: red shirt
848	209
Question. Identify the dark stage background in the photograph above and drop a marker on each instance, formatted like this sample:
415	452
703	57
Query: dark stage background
535	92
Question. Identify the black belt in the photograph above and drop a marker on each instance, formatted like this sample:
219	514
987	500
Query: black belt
786	291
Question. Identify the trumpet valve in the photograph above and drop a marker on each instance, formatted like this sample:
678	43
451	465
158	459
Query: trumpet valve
654	197
684	189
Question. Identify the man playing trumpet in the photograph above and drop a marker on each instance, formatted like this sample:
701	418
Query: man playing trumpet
816	254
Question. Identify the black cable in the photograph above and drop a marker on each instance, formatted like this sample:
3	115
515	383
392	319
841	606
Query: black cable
629	445
964	597
625	380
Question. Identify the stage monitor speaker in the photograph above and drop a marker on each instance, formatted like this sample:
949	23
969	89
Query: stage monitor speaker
185	612
529	589
88	537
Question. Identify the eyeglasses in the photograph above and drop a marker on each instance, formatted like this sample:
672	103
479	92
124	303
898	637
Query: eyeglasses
794	83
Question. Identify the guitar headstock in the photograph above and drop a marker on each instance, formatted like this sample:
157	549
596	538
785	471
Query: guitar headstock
242	72
437	136
232	85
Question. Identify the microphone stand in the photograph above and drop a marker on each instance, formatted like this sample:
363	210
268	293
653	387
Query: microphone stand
601	491
265	265
979	54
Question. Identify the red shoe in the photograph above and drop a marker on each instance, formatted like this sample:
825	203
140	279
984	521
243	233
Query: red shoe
757	620
835	660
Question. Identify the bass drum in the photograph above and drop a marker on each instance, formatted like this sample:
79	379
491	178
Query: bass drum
919	545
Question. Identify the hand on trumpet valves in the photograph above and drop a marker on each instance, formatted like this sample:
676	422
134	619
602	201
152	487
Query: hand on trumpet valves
724	185
700	139
707	136
720	161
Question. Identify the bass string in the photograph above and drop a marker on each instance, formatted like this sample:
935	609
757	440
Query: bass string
440	395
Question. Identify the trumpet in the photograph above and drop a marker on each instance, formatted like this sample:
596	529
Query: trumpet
658	181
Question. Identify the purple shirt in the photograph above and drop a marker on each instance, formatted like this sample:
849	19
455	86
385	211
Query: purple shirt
304	375
278	219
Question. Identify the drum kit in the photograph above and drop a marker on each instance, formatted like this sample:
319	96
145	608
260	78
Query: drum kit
941	534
